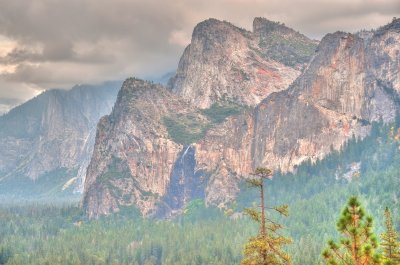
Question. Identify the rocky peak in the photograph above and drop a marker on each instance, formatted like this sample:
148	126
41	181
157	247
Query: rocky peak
338	54
337	96
132	85
133	155
385	63
215	32
133	89
348	83
223	63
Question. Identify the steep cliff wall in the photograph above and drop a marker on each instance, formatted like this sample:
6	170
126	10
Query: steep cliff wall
150	126
226	63
160	148
133	156
342	91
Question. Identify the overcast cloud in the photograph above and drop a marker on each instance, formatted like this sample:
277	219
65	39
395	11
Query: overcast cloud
56	44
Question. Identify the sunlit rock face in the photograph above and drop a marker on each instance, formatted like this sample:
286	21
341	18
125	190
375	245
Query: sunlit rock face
224	62
54	130
133	155
351	81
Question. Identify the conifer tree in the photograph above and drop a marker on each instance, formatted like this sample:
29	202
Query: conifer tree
266	246
390	241
358	244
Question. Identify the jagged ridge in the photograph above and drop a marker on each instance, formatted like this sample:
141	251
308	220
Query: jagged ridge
339	95
226	63
349	83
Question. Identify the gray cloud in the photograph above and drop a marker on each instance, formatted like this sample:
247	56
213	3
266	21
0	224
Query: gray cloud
12	94
60	43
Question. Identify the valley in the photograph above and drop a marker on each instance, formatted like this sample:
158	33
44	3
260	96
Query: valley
138	172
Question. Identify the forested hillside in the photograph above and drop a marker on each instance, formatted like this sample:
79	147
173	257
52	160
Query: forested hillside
315	194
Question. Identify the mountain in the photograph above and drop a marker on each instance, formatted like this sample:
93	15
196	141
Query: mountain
52	134
350	83
227	63
133	154
142	150
161	148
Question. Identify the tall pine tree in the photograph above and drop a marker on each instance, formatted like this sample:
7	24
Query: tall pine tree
390	241
358	244
266	246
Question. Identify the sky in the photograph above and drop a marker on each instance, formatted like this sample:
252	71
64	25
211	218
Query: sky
48	44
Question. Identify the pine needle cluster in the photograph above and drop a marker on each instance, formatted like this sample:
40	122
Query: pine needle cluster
390	242
358	245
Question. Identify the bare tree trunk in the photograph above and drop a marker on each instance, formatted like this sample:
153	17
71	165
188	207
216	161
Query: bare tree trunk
262	209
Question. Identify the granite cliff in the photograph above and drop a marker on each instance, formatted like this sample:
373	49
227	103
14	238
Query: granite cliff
133	155
227	63
143	154
162	147
350	83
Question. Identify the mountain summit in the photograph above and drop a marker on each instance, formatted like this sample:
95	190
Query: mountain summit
239	101
227	63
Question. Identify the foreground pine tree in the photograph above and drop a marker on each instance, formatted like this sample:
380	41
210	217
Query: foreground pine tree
390	241
266	247
358	244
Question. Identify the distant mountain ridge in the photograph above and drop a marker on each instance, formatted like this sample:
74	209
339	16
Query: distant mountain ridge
53	131
238	100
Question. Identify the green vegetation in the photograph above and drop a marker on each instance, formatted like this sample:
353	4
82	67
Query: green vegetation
217	113
390	241
189	128
185	129
358	245
193	206
315	192
55	235
288	50
266	247
118	169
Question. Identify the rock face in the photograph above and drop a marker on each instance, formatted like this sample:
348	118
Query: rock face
340	93
52	131
133	156
135	161
141	155
351	81
227	63
186	183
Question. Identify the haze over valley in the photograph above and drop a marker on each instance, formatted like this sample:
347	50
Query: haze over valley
231	143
